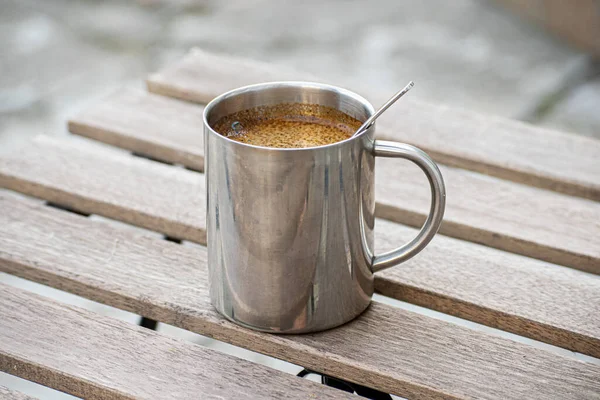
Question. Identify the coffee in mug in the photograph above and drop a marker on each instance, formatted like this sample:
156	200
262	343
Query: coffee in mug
290	125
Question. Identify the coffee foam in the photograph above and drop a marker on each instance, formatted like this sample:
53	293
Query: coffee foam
290	125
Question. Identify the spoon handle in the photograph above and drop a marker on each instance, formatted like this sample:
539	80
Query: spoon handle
384	107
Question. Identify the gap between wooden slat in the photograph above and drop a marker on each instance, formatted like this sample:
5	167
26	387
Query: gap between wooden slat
175	332
504	148
114	189
91	356
387	348
512	217
518	294
182	334
171	130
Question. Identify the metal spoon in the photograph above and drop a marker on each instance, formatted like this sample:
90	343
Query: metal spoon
384	107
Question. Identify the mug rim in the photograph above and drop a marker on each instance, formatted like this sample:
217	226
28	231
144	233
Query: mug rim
267	85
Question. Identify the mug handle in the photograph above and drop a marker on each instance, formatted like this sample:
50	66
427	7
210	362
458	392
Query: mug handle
383	148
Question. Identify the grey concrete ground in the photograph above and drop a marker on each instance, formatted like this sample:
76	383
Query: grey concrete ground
58	56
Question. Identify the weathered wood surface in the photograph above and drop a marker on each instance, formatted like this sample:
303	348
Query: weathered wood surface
521	219
514	293
512	217
496	146
8	394
155	196
120	187
390	349
146	123
91	356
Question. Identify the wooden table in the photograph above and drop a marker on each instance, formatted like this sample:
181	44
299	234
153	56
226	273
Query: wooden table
519	252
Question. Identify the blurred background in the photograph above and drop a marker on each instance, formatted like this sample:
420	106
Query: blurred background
531	60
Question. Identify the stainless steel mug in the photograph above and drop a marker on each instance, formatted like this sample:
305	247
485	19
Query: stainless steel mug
290	231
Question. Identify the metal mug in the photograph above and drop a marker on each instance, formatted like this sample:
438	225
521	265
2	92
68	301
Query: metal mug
290	230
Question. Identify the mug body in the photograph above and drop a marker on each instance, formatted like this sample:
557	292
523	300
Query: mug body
289	231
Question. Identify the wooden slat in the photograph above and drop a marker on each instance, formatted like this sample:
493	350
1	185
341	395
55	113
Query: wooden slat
92	356
122	188
512	217
201	76
507	149
541	310
518	294
8	394
146	123
172	130
521	219
391	349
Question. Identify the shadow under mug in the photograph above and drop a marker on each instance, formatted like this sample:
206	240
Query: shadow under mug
290	230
